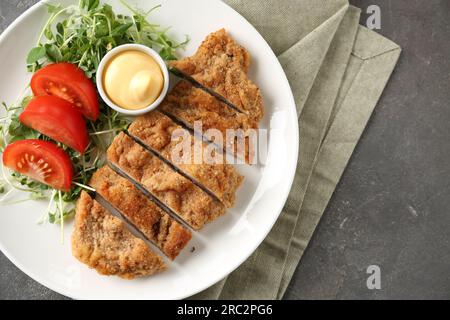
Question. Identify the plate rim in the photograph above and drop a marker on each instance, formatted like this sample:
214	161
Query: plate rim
65	291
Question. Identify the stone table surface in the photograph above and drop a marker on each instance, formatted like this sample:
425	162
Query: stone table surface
391	207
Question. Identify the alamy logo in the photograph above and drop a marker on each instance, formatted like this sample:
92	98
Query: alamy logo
374	20
374	280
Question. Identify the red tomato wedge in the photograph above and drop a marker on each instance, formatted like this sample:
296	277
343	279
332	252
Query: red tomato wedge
42	161
70	83
57	119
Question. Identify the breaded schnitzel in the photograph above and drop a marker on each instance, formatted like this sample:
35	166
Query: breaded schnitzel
189	104
156	131
156	225
221	65
103	242
186	199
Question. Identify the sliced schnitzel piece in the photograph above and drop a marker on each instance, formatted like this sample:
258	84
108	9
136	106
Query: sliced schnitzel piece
155	224
221	66
102	241
157	130
178	193
189	104
215	45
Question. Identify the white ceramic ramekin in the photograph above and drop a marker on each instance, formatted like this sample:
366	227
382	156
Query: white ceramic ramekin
132	47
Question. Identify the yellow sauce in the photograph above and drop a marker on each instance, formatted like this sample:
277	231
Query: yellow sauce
133	80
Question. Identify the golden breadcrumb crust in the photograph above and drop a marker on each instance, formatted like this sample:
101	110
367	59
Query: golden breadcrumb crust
189	104
156	131
191	203
166	233
222	65
103	242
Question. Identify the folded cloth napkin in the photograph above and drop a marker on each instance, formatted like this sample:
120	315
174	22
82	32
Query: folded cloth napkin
337	71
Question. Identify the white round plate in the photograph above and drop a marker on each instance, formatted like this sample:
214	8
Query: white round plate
224	244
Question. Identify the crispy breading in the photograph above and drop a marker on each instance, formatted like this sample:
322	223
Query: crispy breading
221	65
189	104
103	242
156	131
186	199
215	45
156	225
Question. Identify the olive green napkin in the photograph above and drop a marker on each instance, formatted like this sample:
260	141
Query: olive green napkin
337	71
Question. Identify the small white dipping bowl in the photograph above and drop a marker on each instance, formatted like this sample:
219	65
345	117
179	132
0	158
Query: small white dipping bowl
132	47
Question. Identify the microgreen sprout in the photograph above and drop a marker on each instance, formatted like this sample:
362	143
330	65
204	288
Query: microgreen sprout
80	34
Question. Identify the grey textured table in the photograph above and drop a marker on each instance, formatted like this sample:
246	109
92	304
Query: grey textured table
391	208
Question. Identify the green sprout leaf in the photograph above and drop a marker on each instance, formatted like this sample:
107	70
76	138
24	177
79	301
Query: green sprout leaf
53	8
53	53
35	55
82	35
121	29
